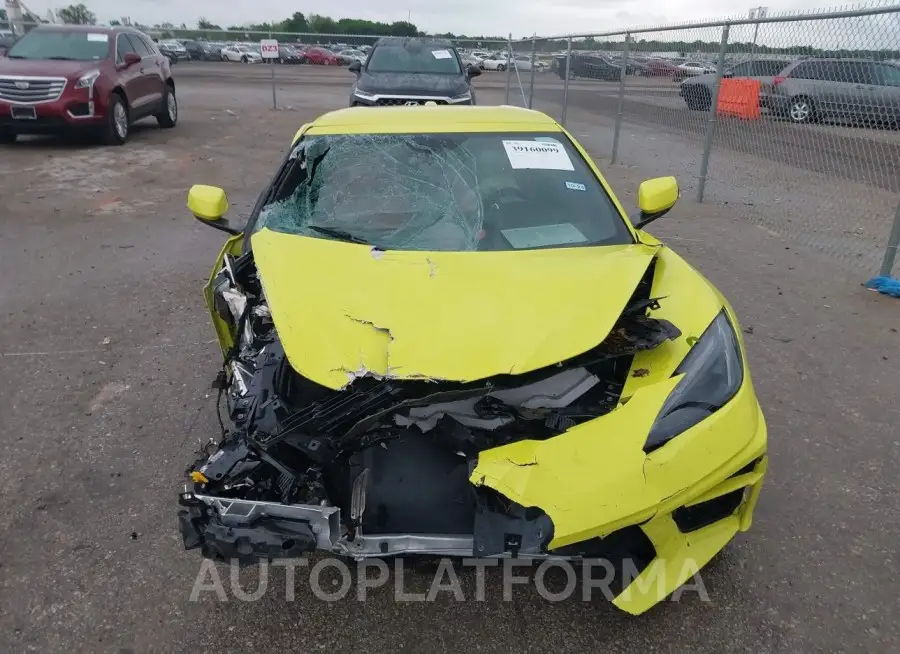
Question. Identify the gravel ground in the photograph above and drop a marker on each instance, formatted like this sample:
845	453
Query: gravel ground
106	357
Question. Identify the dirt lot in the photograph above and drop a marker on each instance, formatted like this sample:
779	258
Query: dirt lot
106	357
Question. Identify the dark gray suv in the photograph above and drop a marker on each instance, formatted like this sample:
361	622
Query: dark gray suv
853	90
412	71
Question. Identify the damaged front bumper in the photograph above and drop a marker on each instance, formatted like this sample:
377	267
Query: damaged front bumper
663	544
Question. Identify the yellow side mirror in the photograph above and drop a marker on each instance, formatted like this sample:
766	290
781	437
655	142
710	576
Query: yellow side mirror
655	198
207	202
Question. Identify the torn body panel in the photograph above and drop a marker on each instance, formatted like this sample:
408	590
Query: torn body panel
454	316
371	462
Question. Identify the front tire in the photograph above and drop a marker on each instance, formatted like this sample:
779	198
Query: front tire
118	124
501	68
801	110
697	99
168	117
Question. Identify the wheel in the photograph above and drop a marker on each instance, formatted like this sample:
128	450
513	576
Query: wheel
801	110
244	60
501	68
168	117
8	138
697	99
117	121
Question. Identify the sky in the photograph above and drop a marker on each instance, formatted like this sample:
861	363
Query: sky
473	17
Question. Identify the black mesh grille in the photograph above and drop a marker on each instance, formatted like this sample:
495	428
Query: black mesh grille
395	102
692	518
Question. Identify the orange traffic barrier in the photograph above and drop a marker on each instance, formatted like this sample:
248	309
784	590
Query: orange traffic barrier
739	97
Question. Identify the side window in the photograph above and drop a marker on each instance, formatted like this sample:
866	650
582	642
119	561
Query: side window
770	68
886	75
151	48
850	72
742	70
123	47
138	45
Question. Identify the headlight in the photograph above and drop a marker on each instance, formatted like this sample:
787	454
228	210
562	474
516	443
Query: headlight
713	372
465	97
364	95
87	80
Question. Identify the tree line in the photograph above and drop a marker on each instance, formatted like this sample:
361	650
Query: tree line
298	23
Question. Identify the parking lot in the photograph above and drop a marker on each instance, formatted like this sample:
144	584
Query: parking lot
107	354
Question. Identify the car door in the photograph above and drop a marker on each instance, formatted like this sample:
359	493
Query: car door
153	74
130	77
887	91
855	89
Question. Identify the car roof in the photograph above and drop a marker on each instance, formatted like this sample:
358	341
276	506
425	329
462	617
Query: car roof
93	29
431	119
403	40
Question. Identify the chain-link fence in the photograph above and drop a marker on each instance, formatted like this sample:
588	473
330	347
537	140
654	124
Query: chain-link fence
793	121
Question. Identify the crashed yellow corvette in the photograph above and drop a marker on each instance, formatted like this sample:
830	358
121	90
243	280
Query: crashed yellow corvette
443	335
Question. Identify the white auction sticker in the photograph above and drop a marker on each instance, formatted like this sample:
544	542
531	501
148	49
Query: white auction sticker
99	38
268	48
442	54
537	154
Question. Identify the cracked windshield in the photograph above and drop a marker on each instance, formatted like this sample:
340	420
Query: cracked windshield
443	192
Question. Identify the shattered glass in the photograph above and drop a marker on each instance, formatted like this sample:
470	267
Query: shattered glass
399	192
438	192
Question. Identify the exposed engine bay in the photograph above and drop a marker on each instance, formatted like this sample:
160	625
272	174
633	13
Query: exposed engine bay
382	466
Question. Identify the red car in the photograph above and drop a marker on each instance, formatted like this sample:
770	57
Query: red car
322	57
660	68
60	78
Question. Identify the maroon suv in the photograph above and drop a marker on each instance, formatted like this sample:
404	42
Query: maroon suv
59	78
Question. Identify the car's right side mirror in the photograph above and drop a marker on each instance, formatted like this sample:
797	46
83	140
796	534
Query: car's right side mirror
473	71
655	198
355	67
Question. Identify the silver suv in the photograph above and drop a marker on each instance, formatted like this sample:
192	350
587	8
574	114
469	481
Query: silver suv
855	90
697	91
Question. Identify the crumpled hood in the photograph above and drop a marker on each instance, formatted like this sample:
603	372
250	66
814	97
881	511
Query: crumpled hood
343	310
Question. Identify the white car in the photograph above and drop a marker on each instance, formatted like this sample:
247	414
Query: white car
691	68
495	62
352	55
241	53
523	63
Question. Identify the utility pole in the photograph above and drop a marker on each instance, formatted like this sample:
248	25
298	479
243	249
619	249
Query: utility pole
756	13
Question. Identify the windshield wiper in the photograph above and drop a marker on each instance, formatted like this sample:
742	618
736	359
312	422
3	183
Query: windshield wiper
61	58
338	234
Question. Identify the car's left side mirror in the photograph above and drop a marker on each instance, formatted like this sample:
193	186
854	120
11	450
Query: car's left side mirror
655	198
473	71
209	205
355	67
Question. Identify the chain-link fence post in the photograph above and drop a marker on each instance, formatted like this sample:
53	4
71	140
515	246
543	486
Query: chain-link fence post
272	65
508	67
531	84
713	110
890	252
622	75
565	102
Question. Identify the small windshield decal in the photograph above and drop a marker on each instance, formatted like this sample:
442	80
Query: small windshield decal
99	38
541	155
543	236
442	54
575	186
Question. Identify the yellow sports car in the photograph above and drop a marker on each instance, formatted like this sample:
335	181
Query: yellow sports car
443	335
